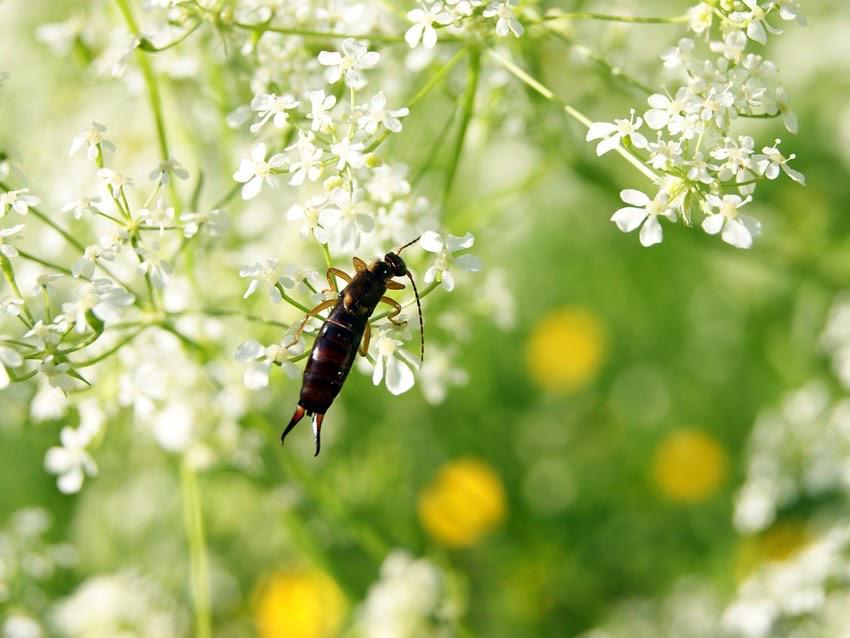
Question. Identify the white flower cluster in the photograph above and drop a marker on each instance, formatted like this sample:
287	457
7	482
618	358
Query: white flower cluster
459	16
350	201
122	604
805	595
697	159
411	599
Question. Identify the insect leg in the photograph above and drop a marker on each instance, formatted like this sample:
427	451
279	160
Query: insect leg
396	310
317	431
339	273
299	414
322	306
359	264
367	337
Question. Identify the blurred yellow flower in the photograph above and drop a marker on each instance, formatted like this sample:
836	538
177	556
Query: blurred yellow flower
299	603
689	465
465	501
565	349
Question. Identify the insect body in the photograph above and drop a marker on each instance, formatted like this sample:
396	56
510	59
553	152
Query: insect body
345	331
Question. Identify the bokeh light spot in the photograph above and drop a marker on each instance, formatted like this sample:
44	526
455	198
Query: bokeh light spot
299	603
689	465
465	501
565	350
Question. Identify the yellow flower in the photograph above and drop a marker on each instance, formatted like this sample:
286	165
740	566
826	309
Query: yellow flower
689	465
565	350
465	501
299	603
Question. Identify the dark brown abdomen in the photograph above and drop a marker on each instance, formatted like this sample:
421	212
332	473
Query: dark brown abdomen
331	358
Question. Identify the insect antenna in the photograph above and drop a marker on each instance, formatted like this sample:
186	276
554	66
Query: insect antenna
421	323
410	243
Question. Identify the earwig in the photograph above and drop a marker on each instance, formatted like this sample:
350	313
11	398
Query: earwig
346	331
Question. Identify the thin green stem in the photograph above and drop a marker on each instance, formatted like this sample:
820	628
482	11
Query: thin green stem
289	299
222	312
556	14
310	33
193	522
9	274
326	253
154	96
574	113
48	264
107	353
147	46
425	292
467	107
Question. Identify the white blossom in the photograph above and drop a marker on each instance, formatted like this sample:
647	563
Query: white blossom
159	216
446	260
255	171
507	22
348	63
9	358
106	299
165	169
643	211
376	114
261	358
6	234
393	364
308	214
307	163
346	217
423	24
270	106
215	222
771	161
72	461
348	153
81	206
320	107
264	273
19	201
612	134
738	230
154	264
91	137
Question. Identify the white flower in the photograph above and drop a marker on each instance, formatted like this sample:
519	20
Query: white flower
83	205
392	364
348	63
377	114
262	273
253	172
7	248
165	169
84	266
611	134
298	277
42	334
72	462
159	216
113	180
349	153
309	215
679	55
736	157
19	201
346	218
646	211
320	107
57	374
262	358
507	20
106	299
215	222
423	24
388	183
93	136
11	306
771	161
270	106
9	358
738	230
308	163
444	249
781	103
664	110
700	17
154	264
755	21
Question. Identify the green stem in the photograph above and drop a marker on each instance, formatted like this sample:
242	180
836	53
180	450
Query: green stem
154	97
199	573
48	264
147	46
467	107
326	253
108	353
569	110
219	312
309	33
556	14
9	274
289	299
